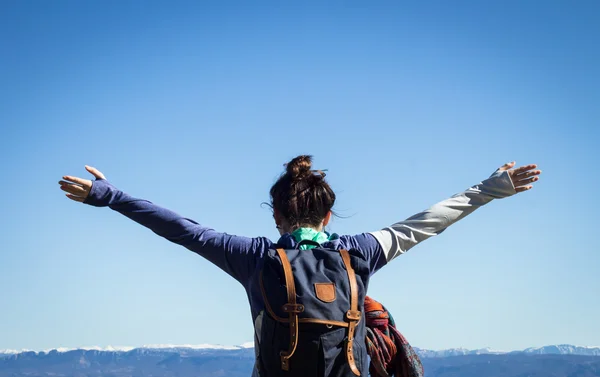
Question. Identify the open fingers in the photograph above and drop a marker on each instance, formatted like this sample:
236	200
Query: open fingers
80	181
73	189
507	166
524	176
523	169
525	181
527	174
523	188
78	189
95	172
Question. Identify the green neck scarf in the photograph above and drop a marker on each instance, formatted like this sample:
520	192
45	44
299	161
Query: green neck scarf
311	234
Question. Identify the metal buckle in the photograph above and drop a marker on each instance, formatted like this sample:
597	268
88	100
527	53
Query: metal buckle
293	308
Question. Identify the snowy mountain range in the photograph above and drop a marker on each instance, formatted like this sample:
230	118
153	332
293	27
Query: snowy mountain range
206	360
157	347
561	349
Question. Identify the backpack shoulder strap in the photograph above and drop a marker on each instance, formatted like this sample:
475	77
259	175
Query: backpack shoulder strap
292	308
353	315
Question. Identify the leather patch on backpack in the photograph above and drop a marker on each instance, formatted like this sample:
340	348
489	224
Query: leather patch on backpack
325	291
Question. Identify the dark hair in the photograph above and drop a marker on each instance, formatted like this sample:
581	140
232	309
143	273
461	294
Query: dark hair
301	195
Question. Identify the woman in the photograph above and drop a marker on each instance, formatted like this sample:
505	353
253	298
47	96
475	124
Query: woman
302	203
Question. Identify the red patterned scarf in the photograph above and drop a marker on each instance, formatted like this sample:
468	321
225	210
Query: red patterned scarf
390	353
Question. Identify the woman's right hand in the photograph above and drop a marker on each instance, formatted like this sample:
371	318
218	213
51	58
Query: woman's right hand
78	189
522	177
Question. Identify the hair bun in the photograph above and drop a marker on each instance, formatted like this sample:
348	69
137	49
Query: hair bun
299	166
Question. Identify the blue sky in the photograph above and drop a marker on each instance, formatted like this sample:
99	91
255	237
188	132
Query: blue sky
197	105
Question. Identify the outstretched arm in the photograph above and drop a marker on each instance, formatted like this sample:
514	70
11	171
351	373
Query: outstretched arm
235	255
402	236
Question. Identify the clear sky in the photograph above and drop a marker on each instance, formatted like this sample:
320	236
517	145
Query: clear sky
197	105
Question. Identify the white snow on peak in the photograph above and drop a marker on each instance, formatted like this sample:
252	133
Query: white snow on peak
127	348
491	350
190	346
13	352
67	349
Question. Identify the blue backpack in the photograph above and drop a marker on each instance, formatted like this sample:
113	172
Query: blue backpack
314	325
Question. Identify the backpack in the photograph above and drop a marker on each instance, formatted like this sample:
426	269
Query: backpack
314	323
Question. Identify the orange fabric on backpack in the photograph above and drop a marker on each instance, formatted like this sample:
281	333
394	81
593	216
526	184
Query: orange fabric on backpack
372	305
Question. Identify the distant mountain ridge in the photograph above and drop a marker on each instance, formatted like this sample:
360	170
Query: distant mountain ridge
561	349
237	361
128	348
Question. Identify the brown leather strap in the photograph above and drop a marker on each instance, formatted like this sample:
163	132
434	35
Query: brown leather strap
323	322
292	308
352	315
300	320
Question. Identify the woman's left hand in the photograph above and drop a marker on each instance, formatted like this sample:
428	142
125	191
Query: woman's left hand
77	188
523	176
